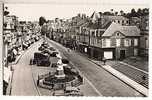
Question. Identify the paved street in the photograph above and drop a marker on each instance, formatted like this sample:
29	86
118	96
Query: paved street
25	77
22	83
97	80
107	84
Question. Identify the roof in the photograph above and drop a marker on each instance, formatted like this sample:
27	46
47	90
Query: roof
115	17
126	30
95	16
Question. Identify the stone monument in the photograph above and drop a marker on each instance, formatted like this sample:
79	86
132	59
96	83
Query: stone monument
60	71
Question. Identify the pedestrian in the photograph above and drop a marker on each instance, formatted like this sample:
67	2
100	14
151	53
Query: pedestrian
104	60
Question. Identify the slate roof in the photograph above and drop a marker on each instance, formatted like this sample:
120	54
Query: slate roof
126	30
115	17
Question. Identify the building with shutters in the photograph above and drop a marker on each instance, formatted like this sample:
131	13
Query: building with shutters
119	42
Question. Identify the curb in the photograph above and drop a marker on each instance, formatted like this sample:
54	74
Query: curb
89	82
9	88
125	79
22	53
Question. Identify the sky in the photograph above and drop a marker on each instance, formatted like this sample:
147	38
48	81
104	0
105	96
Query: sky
50	9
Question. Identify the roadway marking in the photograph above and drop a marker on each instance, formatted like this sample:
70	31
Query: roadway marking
134	67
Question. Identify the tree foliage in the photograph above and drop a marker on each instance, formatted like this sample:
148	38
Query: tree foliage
138	13
42	20
5	11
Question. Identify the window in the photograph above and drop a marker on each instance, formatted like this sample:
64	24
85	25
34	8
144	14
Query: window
117	42
108	43
118	21
122	21
127	42
93	33
135	42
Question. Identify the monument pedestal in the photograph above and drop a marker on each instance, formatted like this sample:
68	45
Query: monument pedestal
60	72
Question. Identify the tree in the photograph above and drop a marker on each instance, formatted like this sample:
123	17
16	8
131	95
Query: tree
133	13
139	12
121	12
116	13
5	11
145	11
112	11
42	20
107	13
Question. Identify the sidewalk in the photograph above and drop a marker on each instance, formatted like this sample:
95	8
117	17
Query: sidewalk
123	75
11	65
129	76
115	73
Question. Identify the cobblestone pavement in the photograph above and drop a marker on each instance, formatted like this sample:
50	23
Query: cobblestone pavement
132	73
138	62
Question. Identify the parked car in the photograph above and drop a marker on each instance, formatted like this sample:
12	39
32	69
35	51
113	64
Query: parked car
25	46
36	38
43	46
32	40
11	56
40	59
54	54
51	48
28	43
54	65
65	61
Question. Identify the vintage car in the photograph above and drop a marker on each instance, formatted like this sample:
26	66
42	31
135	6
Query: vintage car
54	65
65	61
36	38
40	59
43	46
54	54
25	46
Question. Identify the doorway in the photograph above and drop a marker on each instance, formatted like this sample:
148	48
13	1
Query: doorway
122	54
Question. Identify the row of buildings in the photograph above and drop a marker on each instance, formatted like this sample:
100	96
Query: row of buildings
109	36
16	32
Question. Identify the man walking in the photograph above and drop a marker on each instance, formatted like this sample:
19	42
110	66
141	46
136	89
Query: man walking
104	60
